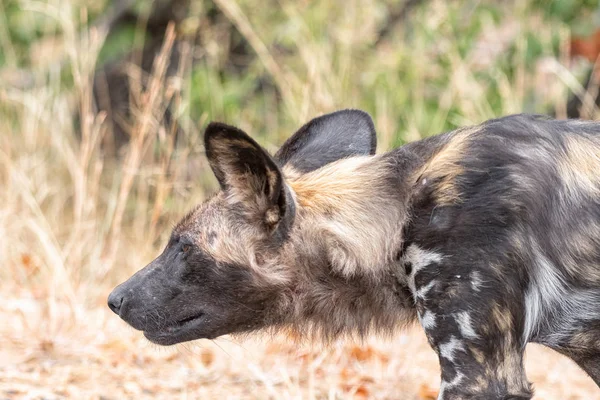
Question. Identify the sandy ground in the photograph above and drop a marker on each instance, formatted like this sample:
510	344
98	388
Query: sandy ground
96	356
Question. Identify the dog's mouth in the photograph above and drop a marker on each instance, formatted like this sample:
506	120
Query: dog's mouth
182	330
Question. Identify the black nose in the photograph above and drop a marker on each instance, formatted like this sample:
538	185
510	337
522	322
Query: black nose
115	299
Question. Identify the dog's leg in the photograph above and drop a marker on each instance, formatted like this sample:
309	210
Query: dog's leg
474	329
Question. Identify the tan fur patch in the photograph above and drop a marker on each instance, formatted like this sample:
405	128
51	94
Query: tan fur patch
502	319
508	370
583	244
348	205
330	187
512	359
579	169
481	384
444	166
580	165
478	354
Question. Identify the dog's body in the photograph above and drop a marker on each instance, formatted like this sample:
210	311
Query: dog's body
490	235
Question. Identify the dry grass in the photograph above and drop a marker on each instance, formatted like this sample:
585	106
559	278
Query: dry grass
73	222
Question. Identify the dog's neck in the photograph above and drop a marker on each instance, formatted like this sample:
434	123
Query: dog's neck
356	209
345	246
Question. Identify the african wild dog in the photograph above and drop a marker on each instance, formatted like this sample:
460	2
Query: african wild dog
490	235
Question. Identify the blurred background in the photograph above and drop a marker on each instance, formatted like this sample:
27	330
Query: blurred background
102	108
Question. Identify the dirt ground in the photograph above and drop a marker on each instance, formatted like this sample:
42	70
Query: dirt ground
49	352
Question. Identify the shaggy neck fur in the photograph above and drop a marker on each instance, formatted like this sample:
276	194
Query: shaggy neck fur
356	210
348	235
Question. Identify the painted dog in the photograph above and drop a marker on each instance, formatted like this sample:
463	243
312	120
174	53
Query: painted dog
488	235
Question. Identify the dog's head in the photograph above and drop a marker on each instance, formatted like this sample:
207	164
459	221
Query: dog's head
223	269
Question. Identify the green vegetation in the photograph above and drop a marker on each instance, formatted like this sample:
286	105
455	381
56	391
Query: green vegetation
445	64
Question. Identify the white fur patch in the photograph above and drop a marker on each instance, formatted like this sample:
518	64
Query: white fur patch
463	319
476	281
546	289
448	349
419	259
447	385
427	320
422	292
567	316
550	303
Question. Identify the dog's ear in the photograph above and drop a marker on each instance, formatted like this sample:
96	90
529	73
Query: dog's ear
329	138
247	173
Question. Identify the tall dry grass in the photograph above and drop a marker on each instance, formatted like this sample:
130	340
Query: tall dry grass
74	222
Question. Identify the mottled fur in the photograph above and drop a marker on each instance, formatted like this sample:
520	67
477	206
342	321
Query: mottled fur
524	216
490	235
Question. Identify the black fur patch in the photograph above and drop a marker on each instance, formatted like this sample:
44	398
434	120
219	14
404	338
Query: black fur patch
329	138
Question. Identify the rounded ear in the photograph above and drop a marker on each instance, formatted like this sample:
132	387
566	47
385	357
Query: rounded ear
246	172
328	138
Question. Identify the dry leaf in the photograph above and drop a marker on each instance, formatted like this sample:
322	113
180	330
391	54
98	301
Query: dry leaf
29	266
362	391
207	357
366	353
361	353
46	346
427	393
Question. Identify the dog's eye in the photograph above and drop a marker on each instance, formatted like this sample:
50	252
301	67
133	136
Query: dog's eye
185	248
